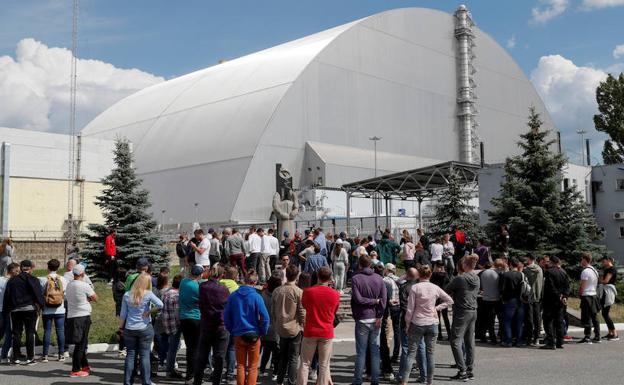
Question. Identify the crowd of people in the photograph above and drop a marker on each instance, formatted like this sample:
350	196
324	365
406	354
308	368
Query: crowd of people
249	305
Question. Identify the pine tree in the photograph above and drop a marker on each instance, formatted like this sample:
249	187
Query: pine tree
124	205
610	120
453	210
542	219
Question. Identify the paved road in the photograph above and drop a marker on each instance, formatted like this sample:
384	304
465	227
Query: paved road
576	364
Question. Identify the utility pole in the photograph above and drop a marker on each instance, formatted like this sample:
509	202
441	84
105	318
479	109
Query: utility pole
71	177
375	139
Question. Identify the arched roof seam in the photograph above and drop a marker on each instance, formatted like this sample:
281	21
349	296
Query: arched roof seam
277	105
191	108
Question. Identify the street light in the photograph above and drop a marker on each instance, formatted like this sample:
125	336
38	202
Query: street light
196	212
582	133
375	139
162	220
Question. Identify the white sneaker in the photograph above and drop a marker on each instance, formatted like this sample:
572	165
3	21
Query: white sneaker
29	363
44	359
389	376
122	353
313	375
66	354
61	358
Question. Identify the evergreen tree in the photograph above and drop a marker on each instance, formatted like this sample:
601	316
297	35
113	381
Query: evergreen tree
124	205
610	120
542	219
453	210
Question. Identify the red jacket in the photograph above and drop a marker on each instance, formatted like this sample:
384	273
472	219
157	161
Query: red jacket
110	250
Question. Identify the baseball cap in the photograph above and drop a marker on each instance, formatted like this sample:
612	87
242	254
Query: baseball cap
78	270
142	262
390	266
339	241
197	270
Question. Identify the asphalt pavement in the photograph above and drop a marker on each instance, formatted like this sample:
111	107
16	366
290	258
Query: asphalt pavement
575	364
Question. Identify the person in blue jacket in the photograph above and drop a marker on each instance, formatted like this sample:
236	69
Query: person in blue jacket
246	318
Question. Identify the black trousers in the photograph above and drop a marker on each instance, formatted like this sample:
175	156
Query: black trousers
215	342
24	320
81	327
486	317
270	351
532	321
252	261
447	324
190	331
553	323
589	315
288	359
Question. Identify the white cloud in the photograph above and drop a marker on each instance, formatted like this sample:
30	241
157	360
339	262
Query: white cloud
569	92
593	4
34	87
618	51
548	10
511	42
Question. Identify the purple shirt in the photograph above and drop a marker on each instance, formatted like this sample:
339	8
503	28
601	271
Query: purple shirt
212	299
367	288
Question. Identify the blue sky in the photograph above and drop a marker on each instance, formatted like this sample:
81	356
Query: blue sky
171	38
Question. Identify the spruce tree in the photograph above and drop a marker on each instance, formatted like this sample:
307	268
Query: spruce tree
542	219
610	120
453	210
124	205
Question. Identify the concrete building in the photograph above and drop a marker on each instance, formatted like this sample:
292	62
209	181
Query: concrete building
34	189
607	197
430	84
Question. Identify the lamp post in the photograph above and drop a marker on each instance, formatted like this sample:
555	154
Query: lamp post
162	220
197	212
375	139
582	133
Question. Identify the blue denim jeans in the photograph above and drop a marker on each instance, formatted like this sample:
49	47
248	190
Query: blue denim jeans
418	334
366	337
421	357
230	356
174	346
59	325
138	342
513	310
7	333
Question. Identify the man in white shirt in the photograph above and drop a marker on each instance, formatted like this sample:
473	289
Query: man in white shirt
202	250
589	300
436	250
273	247
79	297
69	275
266	252
255	248
53	313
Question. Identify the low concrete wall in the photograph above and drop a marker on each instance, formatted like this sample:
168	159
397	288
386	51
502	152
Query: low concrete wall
40	252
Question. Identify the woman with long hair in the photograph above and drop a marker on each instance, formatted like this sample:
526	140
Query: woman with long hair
136	323
407	255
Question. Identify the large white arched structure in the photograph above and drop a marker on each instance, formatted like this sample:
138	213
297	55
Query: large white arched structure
213	137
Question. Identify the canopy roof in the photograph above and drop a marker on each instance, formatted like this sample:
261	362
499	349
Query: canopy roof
420	183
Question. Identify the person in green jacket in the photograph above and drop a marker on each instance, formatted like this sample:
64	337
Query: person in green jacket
533	309
387	249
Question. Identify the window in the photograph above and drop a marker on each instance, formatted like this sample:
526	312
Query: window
566	183
619	184
597	185
621	231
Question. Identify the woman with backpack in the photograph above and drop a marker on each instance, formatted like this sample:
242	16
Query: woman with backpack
137	327
53	286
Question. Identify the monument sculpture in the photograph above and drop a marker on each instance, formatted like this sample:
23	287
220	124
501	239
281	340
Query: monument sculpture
285	201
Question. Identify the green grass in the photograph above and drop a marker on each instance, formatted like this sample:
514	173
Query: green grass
104	323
